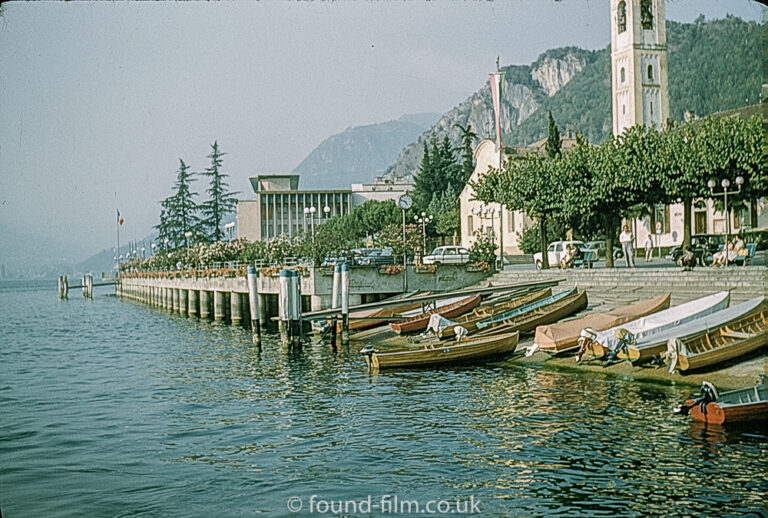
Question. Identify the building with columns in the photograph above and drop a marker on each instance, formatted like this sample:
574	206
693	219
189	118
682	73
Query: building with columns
280	207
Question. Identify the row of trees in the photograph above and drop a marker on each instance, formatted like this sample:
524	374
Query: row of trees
180	214
590	189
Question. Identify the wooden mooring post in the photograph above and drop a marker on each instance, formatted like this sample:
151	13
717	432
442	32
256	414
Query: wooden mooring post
253	302
344	304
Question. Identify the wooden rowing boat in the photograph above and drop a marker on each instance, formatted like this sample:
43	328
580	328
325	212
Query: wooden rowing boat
372	317
644	330
653	345
470	320
419	322
544	311
735	405
730	341
565	335
469	350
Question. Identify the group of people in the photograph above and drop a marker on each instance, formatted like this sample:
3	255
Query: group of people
728	254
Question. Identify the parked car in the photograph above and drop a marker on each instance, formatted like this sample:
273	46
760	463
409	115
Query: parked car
376	257
555	252
702	245
600	247
447	255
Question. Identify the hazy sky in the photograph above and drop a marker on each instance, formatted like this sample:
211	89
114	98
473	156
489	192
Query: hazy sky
98	101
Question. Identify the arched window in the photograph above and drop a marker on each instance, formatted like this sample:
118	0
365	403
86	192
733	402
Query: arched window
646	15
623	109
621	16
622	76
650	72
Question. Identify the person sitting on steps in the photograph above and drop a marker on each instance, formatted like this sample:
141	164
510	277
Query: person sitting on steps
687	260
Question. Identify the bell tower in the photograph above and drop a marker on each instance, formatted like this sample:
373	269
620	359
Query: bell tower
639	85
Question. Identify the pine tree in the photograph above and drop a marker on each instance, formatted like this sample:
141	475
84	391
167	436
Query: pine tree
178	213
221	202
466	153
553	138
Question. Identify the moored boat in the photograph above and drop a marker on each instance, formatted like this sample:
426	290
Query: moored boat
645	328
544	311
469	350
565	335
372	317
470	320
649	346
744	404
419	322
735	339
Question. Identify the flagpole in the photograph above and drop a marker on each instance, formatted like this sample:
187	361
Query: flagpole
118	241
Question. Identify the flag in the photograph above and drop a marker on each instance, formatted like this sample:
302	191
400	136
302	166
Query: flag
119	219
496	99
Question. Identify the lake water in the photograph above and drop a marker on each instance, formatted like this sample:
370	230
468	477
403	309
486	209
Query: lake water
111	408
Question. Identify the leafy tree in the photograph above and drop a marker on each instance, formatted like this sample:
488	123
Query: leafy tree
392	236
221	201
531	185
727	147
529	240
178	213
374	215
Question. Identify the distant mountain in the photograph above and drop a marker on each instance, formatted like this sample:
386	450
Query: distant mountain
359	154
524	89
28	256
713	66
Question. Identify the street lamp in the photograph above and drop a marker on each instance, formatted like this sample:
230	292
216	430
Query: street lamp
310	211
230	227
725	183
143	256
423	219
153	245
326	211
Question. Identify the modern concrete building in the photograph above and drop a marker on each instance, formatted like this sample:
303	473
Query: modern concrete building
279	207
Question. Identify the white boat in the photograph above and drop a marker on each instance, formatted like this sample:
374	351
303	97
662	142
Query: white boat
656	323
655	344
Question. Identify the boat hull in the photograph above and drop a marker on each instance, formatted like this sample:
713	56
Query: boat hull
420	322
470	350
731	341
565	335
540	316
720	414
469	322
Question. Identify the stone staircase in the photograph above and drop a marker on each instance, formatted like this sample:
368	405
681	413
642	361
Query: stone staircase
623	286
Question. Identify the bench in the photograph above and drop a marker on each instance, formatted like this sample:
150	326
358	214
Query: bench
744	260
587	259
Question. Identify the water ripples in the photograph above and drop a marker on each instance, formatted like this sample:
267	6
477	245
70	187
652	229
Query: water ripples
113	409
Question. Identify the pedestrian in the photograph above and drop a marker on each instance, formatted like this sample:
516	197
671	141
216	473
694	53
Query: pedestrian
626	238
649	249
687	260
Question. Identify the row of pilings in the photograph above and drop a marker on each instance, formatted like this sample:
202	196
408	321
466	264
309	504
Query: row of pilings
237	300
220	303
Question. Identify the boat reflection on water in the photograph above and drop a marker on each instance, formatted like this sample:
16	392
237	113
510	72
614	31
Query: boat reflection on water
713	436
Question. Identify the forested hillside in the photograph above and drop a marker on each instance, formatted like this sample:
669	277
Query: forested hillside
713	66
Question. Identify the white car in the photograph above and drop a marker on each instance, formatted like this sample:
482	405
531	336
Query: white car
555	251
447	255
